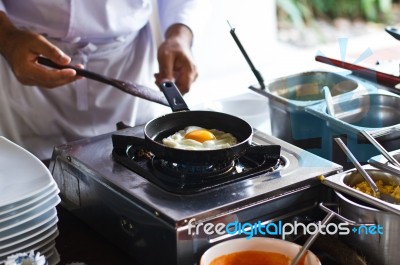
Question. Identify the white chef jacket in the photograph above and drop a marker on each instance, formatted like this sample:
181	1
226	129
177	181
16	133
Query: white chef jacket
111	37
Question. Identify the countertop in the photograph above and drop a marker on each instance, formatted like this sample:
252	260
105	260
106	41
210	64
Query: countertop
79	244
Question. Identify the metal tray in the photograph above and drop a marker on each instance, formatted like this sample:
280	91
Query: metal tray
303	89
338	182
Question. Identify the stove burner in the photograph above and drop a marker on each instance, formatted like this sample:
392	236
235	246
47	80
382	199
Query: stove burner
190	170
191	178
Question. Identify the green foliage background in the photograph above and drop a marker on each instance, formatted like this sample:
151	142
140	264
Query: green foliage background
302	12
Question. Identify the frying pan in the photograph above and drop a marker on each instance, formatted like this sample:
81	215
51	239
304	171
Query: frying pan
166	125
181	117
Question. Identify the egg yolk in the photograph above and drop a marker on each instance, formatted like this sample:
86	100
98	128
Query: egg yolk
200	135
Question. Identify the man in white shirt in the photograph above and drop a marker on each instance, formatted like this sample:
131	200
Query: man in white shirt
109	37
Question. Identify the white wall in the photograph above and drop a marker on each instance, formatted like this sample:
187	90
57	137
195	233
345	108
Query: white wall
222	67
255	24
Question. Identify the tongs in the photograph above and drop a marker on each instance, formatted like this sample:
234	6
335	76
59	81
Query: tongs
365	175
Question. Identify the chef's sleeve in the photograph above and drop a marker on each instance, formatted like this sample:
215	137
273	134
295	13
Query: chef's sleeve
2	7
192	13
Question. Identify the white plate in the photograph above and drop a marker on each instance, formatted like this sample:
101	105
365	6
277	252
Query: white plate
28	226
22	175
29	207
54	258
28	235
30	200
35	245
29	242
30	215
47	250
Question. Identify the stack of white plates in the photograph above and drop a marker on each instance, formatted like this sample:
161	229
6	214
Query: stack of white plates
28	197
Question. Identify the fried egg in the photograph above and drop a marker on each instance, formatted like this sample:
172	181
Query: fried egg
198	138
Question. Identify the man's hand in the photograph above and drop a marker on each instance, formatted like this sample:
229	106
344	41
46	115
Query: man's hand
175	58
21	49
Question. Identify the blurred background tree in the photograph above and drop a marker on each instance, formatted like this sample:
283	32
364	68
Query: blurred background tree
307	22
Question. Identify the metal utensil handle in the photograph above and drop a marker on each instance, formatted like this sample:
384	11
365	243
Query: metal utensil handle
393	31
357	165
174	97
339	216
256	73
328	99
311	239
382	150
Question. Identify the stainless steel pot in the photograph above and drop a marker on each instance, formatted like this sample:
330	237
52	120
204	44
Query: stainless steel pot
379	249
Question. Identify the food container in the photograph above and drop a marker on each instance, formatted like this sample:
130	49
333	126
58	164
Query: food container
257	244
376	111
290	96
344	182
378	248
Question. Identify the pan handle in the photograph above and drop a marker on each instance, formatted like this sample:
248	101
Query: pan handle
174	97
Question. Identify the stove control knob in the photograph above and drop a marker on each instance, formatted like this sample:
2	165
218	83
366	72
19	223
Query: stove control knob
128	226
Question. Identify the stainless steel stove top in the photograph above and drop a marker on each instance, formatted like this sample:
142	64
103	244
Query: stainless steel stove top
139	216
300	170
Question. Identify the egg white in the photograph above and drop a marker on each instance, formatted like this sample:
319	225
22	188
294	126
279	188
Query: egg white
177	140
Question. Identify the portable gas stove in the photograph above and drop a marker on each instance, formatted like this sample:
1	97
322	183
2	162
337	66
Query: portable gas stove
146	206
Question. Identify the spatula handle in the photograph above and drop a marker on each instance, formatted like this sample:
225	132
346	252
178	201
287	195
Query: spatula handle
79	71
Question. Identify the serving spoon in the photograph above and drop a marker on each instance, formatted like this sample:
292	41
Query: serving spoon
311	239
328	100
365	175
381	149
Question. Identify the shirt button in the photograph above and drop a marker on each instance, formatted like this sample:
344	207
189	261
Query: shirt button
76	40
120	38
